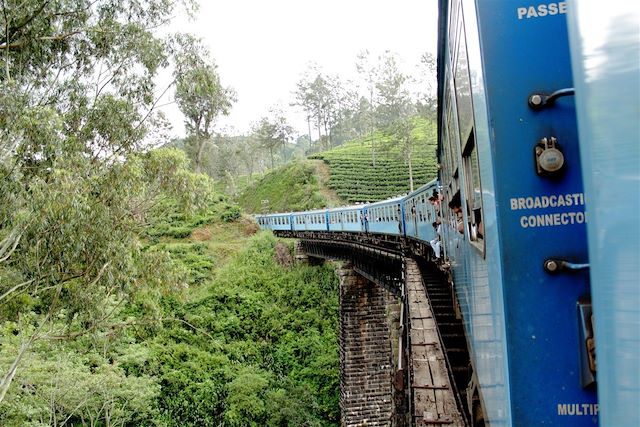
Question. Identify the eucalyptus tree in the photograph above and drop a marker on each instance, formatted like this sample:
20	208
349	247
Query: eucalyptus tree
320	96
395	107
367	69
76	95
273	132
426	96
200	95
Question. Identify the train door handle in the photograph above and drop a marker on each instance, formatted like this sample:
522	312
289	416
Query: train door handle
555	265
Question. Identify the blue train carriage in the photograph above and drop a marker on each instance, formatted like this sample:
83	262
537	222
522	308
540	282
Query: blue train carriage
510	168
275	222
385	217
348	218
315	220
421	210
605	47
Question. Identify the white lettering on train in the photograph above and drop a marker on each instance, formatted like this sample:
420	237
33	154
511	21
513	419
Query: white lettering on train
543	202
553	220
577	409
542	10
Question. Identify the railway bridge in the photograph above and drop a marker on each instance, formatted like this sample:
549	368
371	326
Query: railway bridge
403	354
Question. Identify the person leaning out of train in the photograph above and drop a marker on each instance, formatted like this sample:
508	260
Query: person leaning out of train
435	200
456	206
435	243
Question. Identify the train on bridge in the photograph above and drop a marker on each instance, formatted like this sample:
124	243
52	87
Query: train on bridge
535	208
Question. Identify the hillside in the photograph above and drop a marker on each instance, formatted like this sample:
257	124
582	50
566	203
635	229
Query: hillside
292	187
355	179
345	174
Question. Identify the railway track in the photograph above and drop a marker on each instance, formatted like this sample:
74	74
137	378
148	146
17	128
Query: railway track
451	329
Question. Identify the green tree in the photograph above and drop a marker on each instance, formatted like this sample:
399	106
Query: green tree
199	92
272	133
77	94
395	108
426	98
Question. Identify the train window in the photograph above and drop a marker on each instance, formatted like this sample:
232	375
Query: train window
473	191
463	91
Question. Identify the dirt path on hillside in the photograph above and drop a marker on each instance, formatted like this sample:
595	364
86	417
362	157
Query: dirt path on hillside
323	172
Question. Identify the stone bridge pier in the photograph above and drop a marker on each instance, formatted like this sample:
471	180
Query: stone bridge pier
369	325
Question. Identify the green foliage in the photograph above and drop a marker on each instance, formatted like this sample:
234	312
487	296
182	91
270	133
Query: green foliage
293	187
260	333
230	213
109	315
73	384
357	180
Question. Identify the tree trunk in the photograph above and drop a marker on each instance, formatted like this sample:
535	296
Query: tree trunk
6	381
409	161
319	126
200	143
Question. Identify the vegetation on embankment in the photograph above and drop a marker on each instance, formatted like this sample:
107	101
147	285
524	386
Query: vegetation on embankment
356	178
224	330
254	346
292	187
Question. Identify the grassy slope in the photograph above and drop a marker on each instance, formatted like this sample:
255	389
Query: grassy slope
292	187
355	179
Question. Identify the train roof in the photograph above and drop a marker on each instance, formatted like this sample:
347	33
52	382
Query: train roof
396	199
429	185
340	208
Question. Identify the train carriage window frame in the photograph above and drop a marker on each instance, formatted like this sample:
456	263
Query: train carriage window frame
466	128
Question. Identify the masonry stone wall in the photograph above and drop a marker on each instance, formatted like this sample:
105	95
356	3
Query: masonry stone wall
366	356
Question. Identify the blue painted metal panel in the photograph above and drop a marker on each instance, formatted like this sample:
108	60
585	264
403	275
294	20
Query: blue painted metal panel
527	52
385	217
314	220
478	279
420	213
348	218
605	41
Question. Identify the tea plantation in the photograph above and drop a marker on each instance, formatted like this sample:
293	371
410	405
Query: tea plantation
356	179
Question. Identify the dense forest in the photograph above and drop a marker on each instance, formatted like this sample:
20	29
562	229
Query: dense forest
133	288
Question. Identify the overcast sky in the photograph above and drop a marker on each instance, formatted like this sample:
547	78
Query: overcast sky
262	47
